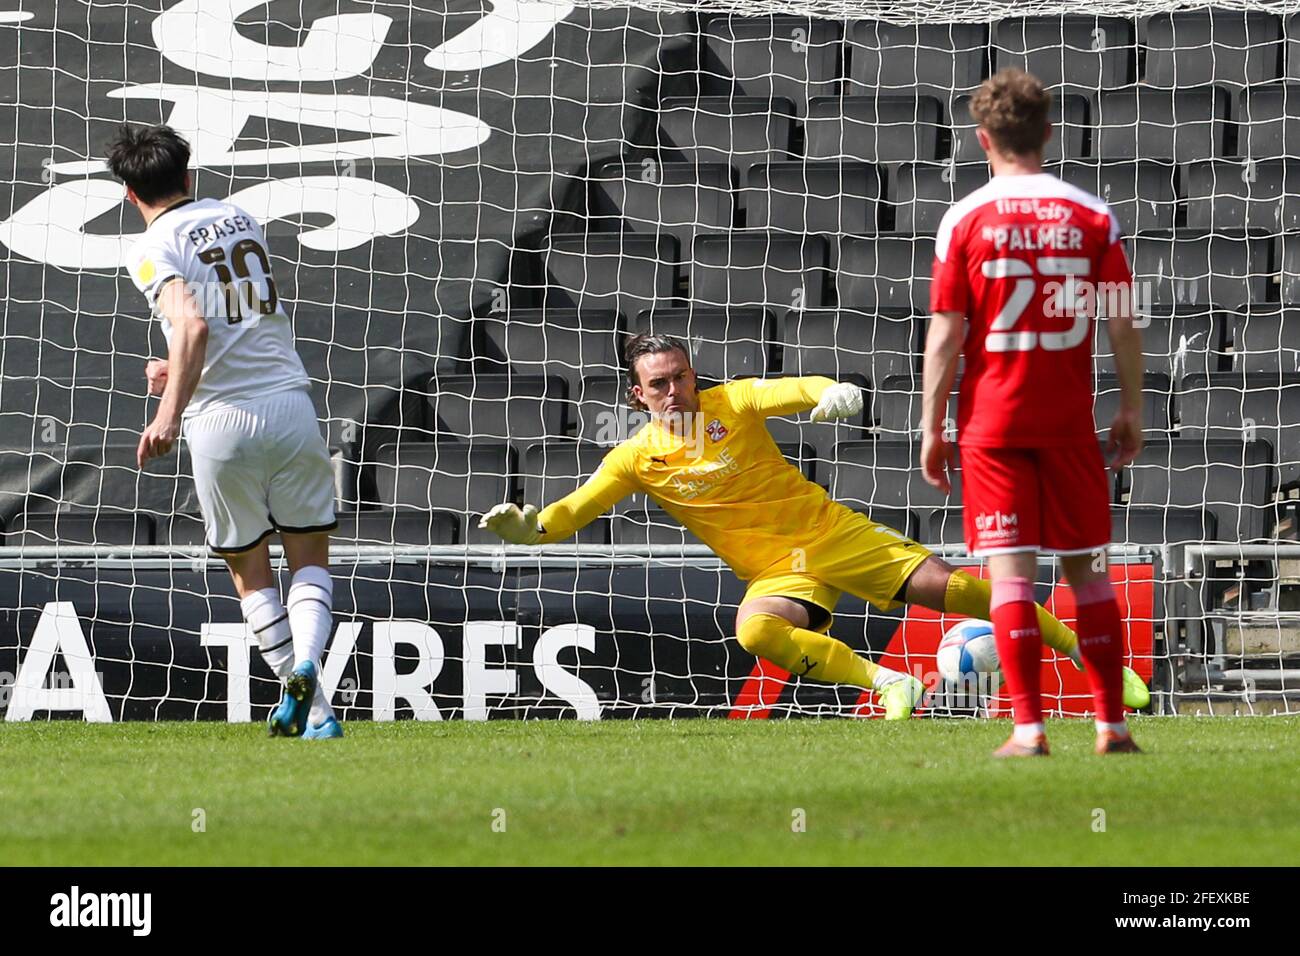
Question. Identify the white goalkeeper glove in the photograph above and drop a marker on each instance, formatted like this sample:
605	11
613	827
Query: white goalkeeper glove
841	400
511	524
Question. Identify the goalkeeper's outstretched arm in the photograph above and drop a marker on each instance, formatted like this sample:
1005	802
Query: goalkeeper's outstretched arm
828	399
565	517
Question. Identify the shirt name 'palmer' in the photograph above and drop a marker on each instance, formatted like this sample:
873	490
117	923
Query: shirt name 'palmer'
1033	237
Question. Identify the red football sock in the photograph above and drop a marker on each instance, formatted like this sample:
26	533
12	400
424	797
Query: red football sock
1101	645
1020	646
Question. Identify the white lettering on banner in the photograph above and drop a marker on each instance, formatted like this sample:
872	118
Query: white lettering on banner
58	632
236	639
555	678
200	35
512	28
361	208
481	680
212	120
411	687
50	227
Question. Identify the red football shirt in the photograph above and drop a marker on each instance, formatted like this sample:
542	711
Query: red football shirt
1028	260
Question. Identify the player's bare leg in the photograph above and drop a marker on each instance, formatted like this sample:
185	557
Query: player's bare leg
941	587
776	629
311	618
1101	642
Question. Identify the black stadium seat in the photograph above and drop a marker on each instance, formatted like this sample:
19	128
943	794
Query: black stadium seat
680	199
739	131
934	58
885	272
1174	342
725	343
1288	257
1265	340
65	528
1185	125
874	129
923	192
182	528
795	58
604	416
520	409
1187	267
1131	524
650	525
1157	392
1141	194
1269	122
625	272
1069	117
1195	47
407	526
1291	38
872	474
1231	195
1233	479
759	269
1246	406
835	342
896	406
464	478
1072	52
831	197
555	342
554	469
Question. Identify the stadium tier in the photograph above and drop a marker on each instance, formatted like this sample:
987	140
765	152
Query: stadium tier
467	225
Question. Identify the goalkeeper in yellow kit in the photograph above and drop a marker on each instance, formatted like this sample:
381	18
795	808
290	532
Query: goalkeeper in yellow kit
709	460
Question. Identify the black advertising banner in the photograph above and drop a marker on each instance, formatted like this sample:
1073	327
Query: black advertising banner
412	639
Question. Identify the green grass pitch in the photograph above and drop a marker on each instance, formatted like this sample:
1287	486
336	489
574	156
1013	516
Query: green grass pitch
1209	791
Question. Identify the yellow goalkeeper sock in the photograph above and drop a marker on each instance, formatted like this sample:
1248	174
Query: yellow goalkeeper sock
970	596
805	653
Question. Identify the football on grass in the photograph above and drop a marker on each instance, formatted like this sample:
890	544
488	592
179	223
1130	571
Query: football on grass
967	649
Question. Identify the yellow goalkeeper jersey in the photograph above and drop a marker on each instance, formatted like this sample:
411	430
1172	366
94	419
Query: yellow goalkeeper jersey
725	480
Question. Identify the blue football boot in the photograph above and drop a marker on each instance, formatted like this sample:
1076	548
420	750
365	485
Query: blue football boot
328	729
289	719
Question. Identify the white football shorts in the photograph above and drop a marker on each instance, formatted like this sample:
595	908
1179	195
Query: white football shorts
260	466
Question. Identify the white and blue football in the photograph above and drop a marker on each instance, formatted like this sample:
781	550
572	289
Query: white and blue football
968	648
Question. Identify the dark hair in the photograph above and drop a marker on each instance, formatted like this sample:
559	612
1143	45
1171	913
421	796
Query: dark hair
646	344
152	160
1012	106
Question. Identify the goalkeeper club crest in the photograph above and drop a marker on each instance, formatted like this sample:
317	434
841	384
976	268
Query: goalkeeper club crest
716	430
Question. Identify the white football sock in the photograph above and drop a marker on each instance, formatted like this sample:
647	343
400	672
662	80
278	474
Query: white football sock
1027	734
270	624
1119	730
311	600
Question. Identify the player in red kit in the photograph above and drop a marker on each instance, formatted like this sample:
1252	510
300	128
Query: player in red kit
1022	267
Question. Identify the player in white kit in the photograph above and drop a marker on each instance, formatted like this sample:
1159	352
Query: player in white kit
235	382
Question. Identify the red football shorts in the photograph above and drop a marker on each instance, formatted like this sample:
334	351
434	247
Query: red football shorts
1054	500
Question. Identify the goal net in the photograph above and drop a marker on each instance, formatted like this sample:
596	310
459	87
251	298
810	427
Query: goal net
471	204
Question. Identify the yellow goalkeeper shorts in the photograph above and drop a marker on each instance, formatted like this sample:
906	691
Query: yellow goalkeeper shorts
856	555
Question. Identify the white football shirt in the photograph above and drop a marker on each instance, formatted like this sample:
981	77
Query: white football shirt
219	251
